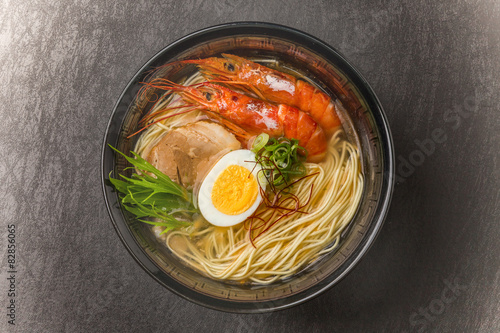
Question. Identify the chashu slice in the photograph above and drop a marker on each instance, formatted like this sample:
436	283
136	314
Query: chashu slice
192	149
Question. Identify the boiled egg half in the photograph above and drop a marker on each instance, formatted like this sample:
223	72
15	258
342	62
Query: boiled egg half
230	193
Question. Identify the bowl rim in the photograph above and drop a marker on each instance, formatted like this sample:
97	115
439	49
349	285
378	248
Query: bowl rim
387	186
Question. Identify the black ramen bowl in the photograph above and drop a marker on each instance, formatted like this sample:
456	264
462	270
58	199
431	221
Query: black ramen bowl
365	125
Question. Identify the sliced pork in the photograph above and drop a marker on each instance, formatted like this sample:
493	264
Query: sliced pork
190	151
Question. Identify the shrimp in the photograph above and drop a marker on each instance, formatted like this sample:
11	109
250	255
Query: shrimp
252	115
273	86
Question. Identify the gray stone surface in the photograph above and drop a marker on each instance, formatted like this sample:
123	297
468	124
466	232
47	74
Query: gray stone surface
435	66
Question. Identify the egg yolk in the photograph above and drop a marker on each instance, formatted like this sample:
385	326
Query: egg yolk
234	191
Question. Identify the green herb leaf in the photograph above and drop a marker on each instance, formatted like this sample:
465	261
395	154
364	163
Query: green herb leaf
153	197
143	166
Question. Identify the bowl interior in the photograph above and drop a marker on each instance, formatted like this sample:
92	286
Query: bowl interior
364	124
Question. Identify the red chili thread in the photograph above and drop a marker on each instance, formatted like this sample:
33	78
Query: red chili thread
277	204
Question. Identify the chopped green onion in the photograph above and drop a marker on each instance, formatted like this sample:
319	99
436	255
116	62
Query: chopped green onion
281	159
260	142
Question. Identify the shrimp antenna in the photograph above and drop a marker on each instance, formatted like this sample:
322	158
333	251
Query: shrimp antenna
161	119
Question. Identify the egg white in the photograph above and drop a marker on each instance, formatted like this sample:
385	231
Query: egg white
241	157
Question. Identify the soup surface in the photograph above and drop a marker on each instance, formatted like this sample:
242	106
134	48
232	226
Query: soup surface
260	149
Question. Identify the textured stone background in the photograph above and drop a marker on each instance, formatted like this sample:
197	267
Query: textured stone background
63	65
